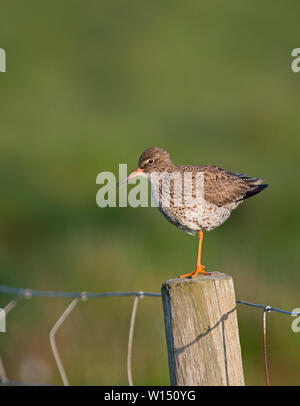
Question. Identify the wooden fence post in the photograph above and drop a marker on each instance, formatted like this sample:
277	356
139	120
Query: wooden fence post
202	331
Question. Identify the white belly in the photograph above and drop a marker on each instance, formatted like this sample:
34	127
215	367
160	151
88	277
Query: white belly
202	215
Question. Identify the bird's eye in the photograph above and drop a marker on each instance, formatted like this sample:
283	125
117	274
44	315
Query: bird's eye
150	161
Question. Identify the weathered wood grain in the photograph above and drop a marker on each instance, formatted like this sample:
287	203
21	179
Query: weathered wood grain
202	331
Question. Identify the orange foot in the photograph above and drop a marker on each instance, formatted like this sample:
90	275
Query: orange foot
199	269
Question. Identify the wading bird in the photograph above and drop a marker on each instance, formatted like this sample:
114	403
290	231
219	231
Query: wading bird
189	204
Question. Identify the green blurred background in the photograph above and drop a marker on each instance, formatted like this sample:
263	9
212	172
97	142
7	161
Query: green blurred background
92	84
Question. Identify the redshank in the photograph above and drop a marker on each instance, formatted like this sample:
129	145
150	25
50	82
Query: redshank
188	204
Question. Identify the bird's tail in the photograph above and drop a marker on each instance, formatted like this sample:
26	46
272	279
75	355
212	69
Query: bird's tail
256	186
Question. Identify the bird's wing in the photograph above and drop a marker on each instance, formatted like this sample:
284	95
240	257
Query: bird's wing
222	187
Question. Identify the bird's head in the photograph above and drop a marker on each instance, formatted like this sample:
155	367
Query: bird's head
152	160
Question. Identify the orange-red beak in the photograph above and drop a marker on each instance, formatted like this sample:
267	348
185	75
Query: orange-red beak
135	173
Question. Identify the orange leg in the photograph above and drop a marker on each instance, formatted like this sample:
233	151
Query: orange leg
199	268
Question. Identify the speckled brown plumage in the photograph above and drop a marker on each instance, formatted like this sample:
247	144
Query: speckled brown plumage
183	205
223	190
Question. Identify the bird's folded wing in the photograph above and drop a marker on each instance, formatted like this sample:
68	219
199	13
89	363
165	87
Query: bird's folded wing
221	187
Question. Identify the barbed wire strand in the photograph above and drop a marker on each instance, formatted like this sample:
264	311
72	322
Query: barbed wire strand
52	334
130	339
56	294
274	309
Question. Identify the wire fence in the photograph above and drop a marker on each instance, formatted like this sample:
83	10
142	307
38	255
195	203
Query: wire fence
20	293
